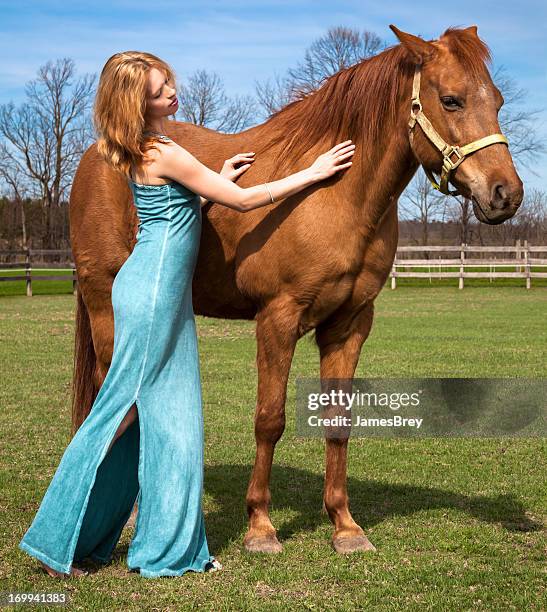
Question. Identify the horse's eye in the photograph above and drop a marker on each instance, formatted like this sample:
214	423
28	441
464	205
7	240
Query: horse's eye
451	103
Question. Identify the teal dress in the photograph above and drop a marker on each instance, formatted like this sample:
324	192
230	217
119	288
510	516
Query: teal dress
158	460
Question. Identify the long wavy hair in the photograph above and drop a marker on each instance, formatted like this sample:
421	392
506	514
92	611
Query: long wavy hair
120	106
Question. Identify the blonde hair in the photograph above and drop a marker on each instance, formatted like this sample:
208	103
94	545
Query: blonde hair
120	106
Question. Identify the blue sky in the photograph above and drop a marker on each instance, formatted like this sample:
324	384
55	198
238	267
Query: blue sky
246	41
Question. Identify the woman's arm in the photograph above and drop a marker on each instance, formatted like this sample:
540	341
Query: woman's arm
180	165
233	168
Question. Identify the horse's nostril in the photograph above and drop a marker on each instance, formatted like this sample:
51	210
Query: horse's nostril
500	199
500	189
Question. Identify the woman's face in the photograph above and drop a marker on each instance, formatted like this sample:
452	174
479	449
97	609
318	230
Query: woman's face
161	95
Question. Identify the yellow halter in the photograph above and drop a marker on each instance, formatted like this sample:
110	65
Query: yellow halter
446	150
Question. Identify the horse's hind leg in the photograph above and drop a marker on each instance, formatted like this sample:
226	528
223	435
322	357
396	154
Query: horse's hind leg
276	334
340	341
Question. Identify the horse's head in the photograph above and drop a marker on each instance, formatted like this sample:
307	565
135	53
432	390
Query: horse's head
460	105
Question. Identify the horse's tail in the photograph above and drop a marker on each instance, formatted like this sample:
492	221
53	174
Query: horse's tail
83	377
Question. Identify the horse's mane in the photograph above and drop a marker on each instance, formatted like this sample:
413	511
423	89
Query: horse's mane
367	92
471	52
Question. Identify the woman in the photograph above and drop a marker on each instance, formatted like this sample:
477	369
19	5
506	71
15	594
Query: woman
156	459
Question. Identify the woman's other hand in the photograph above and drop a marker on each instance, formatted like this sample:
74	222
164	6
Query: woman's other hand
334	160
229	169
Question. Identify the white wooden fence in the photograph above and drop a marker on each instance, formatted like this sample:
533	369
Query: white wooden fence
520	257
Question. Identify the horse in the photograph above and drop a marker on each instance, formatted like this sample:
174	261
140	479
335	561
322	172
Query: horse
316	260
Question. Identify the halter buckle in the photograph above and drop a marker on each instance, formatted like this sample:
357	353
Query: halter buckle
447	152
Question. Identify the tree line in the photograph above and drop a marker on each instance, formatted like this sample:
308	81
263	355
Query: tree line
43	139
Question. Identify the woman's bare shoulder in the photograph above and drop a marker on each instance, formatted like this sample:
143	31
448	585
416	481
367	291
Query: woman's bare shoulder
152	166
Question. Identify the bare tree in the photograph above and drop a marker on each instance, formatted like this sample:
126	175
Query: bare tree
535	216
44	138
420	201
272	97
339	48
531	222
203	101
460	210
14	180
519	124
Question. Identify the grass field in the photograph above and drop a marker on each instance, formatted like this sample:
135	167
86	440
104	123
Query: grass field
458	524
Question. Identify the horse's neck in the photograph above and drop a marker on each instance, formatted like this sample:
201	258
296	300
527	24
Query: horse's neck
383	170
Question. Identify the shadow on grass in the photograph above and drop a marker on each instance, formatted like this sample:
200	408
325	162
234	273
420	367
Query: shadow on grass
371	502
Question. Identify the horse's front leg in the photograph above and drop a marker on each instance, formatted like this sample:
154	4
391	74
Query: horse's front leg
340	340
276	334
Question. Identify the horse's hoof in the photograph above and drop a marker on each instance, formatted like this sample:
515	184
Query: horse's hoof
265	544
352	544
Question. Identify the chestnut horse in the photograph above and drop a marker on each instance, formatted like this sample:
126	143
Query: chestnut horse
318	259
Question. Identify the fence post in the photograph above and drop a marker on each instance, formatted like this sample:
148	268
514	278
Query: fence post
393	279
28	273
527	263
460	286
518	255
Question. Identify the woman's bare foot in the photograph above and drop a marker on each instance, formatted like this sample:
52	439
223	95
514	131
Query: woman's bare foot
74	571
216	565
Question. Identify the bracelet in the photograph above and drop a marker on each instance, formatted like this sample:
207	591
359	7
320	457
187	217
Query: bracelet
271	197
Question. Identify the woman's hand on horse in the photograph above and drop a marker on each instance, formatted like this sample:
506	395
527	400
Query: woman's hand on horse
330	162
229	169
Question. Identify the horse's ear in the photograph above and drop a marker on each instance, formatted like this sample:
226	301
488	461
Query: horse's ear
472	30
420	50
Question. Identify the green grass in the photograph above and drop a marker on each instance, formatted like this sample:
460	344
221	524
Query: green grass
458	523
39	287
